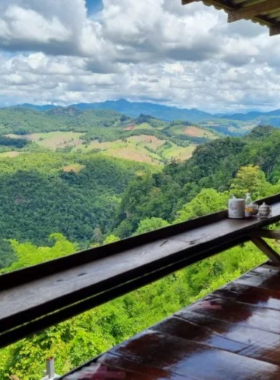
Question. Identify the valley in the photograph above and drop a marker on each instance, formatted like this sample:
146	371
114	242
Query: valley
71	179
105	132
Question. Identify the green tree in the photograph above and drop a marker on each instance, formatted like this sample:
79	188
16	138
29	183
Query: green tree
28	254
206	202
250	179
111	239
151	224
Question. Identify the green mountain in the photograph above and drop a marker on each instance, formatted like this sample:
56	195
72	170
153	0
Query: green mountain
229	124
134	109
53	203
144	139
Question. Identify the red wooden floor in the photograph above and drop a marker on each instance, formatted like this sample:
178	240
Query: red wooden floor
234	333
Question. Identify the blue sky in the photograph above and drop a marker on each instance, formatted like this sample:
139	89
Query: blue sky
94	6
188	56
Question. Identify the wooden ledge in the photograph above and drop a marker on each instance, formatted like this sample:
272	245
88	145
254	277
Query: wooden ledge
37	297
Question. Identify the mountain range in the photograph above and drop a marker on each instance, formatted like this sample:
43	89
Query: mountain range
168	113
226	124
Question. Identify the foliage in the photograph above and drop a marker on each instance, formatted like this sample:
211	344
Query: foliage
111	239
151	224
37	197
28	254
206	202
48	212
250	179
7	254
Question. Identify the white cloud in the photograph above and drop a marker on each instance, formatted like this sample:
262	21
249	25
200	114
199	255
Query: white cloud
54	51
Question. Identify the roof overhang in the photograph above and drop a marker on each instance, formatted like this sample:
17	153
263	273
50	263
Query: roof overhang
264	12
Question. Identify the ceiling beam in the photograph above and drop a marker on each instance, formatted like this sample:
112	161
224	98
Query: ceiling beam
274	30
237	13
186	2
253	10
218	3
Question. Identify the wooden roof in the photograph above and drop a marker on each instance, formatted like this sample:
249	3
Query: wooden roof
232	334
264	12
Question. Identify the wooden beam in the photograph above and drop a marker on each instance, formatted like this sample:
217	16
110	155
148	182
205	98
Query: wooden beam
268	234
218	3
254	10
186	2
267	250
274	30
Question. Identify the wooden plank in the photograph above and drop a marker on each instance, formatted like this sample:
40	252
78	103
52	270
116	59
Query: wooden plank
261	278
186	358
109	366
260	297
227	335
119	362
259	344
186	330
266	249
253	10
115	367
251	316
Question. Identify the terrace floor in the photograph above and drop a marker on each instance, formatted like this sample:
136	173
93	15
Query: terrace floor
234	333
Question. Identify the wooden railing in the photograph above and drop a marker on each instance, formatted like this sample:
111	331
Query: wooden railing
40	296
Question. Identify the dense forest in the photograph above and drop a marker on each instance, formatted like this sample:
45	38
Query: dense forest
55	204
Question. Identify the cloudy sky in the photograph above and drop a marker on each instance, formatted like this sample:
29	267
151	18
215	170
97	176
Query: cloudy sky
69	51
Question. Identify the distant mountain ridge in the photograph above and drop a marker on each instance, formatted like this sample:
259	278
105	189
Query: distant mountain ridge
135	109
168	113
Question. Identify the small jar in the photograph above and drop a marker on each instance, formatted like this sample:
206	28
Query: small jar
264	210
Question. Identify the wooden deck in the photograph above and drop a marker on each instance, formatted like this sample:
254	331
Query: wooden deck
232	334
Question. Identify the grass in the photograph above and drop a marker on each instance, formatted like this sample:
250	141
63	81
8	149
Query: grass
192	131
143	126
76	168
53	140
179	153
142	148
9	154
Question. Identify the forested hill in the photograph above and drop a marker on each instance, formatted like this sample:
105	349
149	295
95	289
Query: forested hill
212	166
55	203
229	124
84	118
142	139
87	197
23	121
76	195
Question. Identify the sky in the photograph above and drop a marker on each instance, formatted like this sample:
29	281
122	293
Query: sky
71	51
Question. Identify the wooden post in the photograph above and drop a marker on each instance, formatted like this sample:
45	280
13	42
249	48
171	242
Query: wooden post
268	234
267	250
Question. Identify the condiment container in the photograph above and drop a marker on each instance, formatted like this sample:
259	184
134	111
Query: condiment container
236	208
264	210
251	209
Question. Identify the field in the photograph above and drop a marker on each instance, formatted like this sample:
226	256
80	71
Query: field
141	148
76	168
53	140
10	154
193	131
